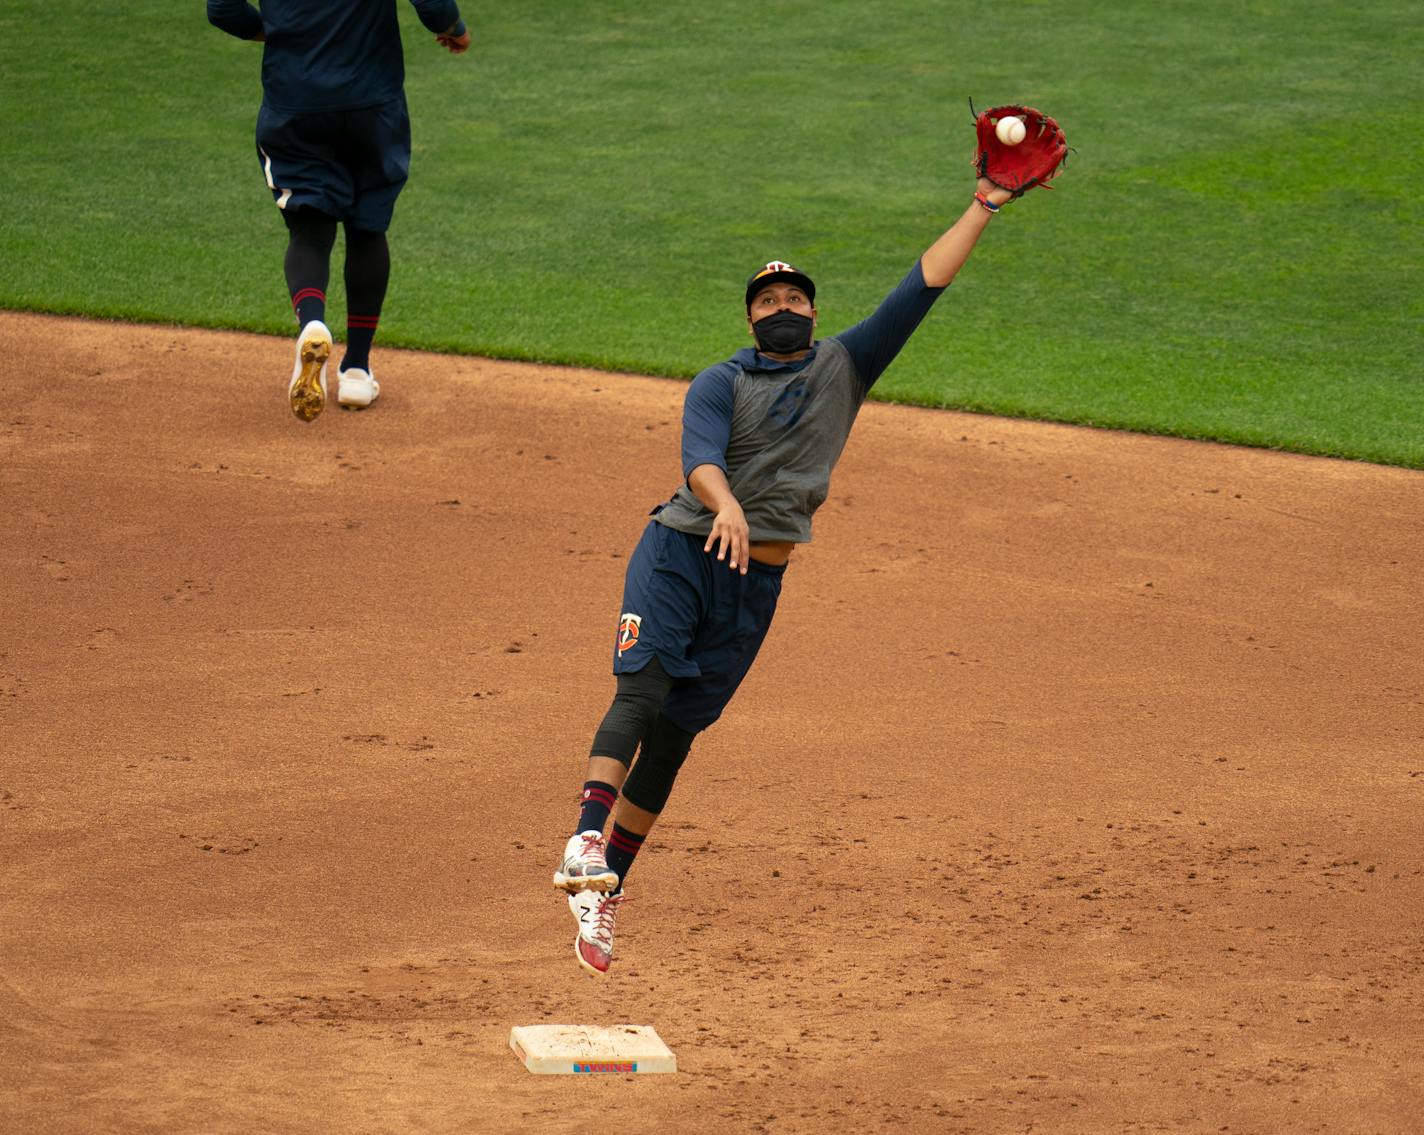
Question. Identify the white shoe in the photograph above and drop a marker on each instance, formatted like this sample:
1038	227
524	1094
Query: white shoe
357	388
596	915
584	868
307	390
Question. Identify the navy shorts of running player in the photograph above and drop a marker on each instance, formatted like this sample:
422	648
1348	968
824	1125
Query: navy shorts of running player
703	621
351	164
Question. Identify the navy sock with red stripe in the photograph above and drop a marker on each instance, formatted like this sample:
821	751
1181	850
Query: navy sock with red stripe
597	802
360	333
623	848
309	304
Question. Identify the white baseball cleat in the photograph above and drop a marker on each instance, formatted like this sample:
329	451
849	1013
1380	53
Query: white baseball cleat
596	915
307	390
584	867
357	388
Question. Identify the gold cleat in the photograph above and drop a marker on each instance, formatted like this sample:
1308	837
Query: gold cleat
307	390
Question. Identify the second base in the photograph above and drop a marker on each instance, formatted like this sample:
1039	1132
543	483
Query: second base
619	1050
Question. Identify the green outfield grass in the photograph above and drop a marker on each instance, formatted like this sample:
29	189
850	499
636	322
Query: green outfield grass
1234	252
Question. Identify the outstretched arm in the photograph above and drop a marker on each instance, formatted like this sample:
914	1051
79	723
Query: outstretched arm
943	259
875	341
237	18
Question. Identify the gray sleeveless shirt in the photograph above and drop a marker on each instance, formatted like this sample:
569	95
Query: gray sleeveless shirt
787	431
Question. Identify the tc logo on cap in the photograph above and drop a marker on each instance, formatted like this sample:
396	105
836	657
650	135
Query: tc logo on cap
780	270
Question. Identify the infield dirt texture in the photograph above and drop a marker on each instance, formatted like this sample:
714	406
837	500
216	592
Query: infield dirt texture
1079	787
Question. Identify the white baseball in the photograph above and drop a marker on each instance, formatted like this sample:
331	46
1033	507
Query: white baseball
1010	130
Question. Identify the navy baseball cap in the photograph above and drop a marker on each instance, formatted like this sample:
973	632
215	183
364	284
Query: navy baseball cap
774	272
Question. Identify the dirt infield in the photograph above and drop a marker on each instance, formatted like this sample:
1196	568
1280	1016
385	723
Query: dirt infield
1080	786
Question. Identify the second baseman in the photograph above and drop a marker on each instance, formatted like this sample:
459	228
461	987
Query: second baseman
761	433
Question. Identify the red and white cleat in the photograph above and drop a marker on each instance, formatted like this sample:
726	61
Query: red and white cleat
584	867
597	914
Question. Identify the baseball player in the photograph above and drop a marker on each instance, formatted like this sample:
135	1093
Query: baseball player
761	433
333	137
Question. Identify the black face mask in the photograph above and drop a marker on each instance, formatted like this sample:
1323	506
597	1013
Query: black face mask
783	333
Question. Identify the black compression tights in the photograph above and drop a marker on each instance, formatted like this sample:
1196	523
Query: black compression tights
310	235
368	270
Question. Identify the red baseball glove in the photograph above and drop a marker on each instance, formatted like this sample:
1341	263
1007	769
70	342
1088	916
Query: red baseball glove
1034	161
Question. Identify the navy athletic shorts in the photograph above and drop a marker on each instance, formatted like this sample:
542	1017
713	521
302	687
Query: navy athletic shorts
349	163
704	621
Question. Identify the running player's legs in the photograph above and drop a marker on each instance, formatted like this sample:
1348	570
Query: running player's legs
311	187
310	236
375	149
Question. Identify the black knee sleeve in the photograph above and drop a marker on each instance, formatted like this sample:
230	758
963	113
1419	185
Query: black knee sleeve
635	707
649	784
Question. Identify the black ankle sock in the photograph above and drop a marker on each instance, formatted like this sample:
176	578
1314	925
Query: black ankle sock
597	802
623	847
360	333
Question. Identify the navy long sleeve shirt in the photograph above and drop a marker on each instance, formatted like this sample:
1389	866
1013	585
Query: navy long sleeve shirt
329	54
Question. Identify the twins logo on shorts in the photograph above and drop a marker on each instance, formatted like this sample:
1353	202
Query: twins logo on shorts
628	627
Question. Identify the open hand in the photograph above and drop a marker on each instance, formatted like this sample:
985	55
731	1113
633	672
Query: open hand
729	531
